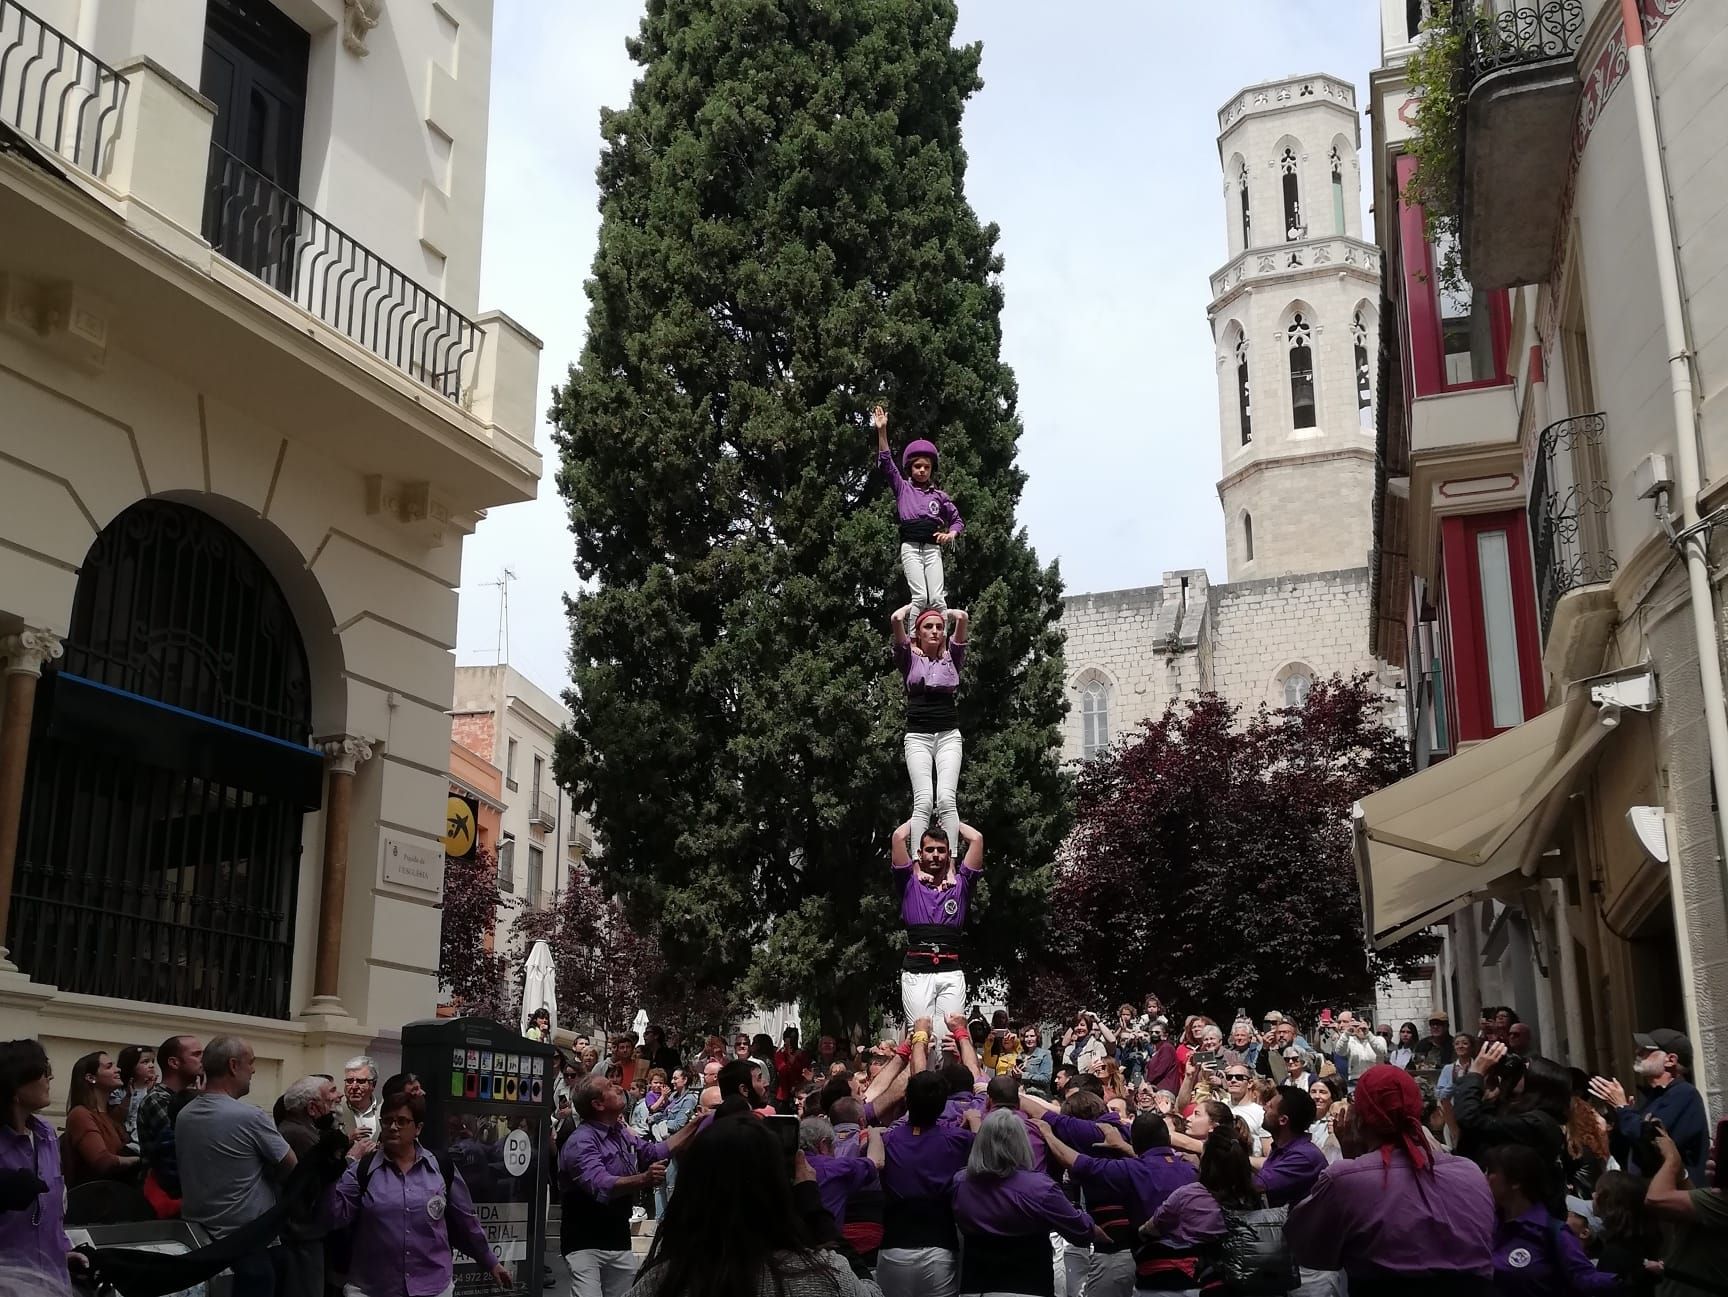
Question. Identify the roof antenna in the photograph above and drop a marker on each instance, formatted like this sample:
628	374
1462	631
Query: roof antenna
505	577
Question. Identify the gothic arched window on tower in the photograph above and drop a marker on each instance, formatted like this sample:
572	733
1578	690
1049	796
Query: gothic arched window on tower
1337	190
1094	719
1247	215
1244	398
1364	376
1293	228
1247	537
1301	337
1296	687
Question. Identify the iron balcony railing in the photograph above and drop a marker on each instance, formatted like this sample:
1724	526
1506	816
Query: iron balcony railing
267	231
1500	35
543	808
55	91
1569	501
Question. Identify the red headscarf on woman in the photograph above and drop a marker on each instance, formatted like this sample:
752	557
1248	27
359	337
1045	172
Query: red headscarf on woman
1388	1107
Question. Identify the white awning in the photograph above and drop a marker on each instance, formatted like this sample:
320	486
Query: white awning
1430	844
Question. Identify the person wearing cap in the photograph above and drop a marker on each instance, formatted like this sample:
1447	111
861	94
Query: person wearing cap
1436	1050
927	517
1664	1061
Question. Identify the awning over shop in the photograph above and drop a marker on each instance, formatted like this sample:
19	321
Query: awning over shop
1429	844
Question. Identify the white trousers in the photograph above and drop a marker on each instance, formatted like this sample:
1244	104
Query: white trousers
933	766
921	561
601	1272
1075	1262
1319	1283
933	996
1110	1274
917	1272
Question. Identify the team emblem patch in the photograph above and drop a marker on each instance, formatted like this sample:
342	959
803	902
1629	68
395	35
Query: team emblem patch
935	508
1518	1258
950	907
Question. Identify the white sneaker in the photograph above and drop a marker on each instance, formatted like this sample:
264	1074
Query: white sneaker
638	1214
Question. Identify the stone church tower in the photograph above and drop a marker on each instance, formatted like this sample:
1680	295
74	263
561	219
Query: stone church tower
1294	318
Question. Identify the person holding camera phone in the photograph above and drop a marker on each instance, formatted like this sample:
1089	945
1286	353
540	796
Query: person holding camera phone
1533	1098
1664	1063
1695	1248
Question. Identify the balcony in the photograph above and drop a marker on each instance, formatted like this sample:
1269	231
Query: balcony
1520	84
56	93
126	232
543	809
1260	264
1569	502
272	235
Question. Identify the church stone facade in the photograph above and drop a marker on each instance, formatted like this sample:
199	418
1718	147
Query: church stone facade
1295	324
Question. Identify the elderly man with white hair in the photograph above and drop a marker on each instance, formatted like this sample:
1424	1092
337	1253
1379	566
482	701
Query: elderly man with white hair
359	1111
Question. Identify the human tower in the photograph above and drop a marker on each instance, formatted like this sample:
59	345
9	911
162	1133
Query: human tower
932	873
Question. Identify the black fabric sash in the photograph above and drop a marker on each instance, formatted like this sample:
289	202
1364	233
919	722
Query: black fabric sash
918	1222
1021	1264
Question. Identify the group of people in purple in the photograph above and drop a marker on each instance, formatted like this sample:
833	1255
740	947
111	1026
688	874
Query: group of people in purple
935	876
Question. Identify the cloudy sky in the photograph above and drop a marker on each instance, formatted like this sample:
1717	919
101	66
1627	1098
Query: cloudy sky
1092	145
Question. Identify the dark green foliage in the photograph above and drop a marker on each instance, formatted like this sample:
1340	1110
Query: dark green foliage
1211	862
785	240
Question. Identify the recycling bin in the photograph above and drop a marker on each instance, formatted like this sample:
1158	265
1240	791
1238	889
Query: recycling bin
489	1110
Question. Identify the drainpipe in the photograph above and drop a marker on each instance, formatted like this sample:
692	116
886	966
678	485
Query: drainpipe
1685	433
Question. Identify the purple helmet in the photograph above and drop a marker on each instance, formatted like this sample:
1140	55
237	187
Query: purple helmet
919	448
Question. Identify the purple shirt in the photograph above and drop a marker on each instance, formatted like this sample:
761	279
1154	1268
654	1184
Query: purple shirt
914	502
1537	1256
958	1105
1189	1217
35	1244
1290	1172
1141	1184
404	1229
838	1178
597	1155
944	905
924	675
1370	1217
923	1164
849	1140
1021	1203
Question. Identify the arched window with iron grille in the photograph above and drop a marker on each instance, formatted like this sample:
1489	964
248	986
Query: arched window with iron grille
169	774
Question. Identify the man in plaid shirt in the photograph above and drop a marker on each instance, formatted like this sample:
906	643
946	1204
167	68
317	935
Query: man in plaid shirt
181	1062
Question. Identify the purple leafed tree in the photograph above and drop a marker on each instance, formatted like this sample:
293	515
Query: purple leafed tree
469	967
1211	862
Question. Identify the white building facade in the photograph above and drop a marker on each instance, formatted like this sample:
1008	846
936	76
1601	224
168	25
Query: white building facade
248	412
502	716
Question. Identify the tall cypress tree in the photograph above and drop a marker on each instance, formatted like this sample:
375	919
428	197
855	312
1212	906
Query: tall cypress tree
785	240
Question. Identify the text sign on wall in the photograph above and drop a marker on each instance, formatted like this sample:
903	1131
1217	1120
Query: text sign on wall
413	862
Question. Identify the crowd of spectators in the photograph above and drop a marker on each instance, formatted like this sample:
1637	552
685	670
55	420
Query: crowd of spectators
1133	1152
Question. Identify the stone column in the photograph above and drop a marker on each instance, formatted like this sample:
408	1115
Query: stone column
343	754
21	658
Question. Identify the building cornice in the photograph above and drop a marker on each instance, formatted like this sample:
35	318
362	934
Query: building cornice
1240	475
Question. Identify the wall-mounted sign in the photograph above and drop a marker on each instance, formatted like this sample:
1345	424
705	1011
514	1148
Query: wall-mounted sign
461	827
413	862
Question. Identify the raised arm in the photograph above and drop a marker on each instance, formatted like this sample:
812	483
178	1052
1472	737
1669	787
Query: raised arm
879	421
874	1150
899	846
897	627
962	620
920	1042
962	1039
974	857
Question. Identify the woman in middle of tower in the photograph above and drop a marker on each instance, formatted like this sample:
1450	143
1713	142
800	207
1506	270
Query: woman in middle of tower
930	661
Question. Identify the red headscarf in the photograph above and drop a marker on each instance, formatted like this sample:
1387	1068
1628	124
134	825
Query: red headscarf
1388	1106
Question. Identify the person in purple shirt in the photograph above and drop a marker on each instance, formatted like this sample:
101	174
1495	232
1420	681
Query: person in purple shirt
601	1167
32	1190
1287	1173
838	1178
1006	1213
931	666
405	1217
1535	1255
1399	1216
920	1160
1123	1189
926	516
934	897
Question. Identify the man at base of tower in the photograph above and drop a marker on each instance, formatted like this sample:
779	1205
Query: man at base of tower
934	895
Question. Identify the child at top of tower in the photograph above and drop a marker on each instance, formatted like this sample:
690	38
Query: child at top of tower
927	517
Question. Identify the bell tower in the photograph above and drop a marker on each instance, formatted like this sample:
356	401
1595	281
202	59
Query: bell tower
1296	331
